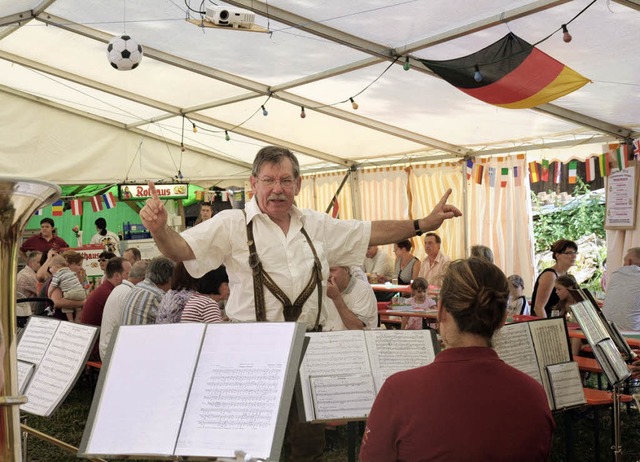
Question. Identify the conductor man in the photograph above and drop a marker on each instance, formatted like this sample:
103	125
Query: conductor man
278	256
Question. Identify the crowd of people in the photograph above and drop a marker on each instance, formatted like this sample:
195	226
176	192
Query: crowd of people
272	261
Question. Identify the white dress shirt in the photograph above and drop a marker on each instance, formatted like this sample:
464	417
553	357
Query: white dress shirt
288	259
622	303
112	314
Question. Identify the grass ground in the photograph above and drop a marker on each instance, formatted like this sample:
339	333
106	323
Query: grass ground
67	424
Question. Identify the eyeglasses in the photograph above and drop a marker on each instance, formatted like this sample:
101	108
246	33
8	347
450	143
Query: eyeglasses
284	182
571	252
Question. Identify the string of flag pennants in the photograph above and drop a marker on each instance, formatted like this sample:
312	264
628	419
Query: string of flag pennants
617	157
99	202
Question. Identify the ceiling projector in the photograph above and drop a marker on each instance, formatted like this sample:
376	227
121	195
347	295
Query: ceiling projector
232	17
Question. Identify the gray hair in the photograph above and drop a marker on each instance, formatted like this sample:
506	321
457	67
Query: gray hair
634	255
275	155
138	269
482	251
160	270
33	255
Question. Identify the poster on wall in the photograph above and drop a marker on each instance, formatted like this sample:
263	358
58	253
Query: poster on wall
621	192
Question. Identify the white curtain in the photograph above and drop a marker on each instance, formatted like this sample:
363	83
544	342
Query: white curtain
318	190
500	217
428	182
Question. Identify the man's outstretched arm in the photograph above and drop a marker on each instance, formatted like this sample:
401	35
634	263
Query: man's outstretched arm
154	218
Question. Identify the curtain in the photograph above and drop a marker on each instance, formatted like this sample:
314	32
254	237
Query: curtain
428	182
500	217
318	190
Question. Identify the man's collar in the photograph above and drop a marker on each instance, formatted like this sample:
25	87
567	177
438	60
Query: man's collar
252	209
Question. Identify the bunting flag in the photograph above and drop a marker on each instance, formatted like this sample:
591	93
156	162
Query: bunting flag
545	170
492	177
469	168
517	176
109	200
603	161
505	177
335	211
209	196
557	172
510	73
573	171
200	195
534	177
590	165
478	173
96	203
76	207
636	148
621	155
38	212
57	208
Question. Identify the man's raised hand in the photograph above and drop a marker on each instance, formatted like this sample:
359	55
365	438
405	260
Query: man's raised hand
153	214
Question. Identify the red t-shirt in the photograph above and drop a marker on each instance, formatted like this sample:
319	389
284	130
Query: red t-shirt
39	243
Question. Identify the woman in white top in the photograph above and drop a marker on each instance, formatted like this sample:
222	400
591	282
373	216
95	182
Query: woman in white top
108	239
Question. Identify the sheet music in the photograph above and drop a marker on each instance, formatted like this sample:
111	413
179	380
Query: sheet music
610	360
59	367
25	370
566	385
342	396
332	354
590	322
514	346
36	339
145	391
237	390
392	351
551	345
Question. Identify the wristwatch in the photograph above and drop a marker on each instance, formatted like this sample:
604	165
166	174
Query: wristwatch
416	226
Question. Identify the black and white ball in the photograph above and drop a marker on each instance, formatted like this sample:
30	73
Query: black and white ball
124	53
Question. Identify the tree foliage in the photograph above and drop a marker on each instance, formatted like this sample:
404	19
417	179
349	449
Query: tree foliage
584	215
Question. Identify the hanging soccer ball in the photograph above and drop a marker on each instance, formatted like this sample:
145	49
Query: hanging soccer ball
124	53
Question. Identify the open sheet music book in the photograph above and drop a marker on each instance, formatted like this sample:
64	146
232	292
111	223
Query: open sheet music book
51	356
342	372
195	390
541	349
602	337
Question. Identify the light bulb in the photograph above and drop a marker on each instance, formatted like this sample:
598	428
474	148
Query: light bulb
407	65
477	76
182	147
302	113
354	105
195	129
226	136
566	36
264	111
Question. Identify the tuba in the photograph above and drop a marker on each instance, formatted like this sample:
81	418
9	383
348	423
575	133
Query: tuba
19	199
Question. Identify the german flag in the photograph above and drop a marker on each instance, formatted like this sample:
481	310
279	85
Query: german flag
509	73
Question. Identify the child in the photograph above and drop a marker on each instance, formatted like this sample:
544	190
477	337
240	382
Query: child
517	302
68	282
419	300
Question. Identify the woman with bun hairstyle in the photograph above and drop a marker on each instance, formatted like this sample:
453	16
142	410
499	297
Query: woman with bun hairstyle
544	295
468	404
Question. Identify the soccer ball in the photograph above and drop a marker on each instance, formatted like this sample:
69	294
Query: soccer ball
124	53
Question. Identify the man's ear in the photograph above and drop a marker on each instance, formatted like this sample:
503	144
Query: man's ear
298	186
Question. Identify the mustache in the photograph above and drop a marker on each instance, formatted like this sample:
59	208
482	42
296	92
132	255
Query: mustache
277	197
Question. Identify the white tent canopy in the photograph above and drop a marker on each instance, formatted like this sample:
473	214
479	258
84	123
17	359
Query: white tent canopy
68	117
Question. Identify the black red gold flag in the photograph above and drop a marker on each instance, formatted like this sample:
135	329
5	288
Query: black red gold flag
514	74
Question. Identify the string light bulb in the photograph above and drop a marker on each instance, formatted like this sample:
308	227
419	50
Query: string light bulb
566	36
407	65
264	111
226	136
195	129
477	76
302	113
354	105
182	147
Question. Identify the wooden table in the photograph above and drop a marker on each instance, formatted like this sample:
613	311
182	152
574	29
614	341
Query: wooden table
632	338
430	315
391	288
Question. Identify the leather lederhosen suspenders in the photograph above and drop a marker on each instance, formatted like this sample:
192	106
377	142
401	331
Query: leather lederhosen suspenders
262	279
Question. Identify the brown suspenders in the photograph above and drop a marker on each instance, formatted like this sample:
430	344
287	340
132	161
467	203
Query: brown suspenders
262	279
